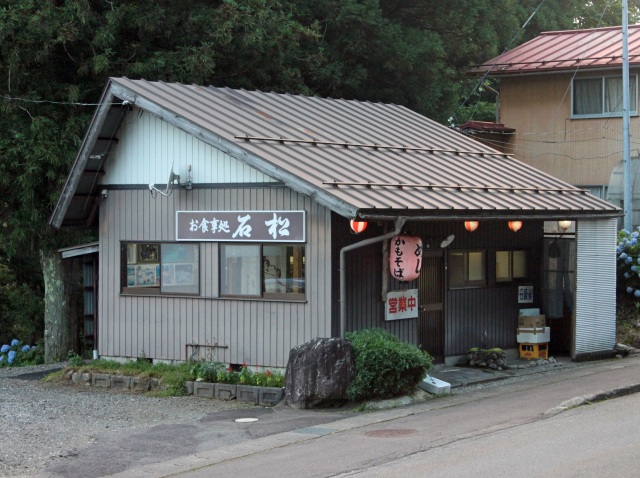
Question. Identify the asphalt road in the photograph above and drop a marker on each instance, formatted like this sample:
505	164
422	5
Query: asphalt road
511	428
598	440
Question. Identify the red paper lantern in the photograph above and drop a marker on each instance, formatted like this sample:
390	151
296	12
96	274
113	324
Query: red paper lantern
358	226
405	257
471	225
515	225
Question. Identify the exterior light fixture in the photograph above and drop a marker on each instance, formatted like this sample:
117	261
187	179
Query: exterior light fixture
564	225
357	226
515	225
471	225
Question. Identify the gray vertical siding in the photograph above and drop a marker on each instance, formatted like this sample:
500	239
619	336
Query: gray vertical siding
469	313
256	332
595	312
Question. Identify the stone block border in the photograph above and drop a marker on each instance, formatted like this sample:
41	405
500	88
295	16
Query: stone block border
245	393
221	391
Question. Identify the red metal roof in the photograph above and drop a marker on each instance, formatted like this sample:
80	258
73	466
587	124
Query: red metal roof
597	48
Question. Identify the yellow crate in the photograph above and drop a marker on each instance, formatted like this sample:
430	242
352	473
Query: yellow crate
534	351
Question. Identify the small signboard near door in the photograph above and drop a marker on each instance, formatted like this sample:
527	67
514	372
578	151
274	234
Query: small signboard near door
401	304
525	294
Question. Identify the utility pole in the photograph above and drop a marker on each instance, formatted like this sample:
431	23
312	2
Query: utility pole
628	206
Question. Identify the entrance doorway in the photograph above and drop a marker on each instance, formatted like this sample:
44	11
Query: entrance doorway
431	293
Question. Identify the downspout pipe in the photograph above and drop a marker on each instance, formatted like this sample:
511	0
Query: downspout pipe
399	222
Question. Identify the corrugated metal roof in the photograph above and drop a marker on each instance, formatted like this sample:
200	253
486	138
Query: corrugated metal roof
351	156
597	48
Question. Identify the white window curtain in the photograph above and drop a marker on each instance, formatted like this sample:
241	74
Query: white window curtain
613	95
587	97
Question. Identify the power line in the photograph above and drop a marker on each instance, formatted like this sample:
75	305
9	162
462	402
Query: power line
66	103
491	67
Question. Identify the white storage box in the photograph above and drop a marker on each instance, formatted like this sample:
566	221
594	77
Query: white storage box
434	385
540	335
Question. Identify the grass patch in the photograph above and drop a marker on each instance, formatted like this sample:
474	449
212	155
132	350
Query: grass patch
172	376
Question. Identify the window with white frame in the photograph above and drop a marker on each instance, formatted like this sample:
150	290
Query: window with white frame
602	96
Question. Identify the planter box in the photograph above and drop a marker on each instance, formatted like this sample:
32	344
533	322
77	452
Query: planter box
248	393
270	395
203	389
188	387
225	391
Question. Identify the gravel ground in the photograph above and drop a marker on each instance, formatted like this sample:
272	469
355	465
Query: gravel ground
41	422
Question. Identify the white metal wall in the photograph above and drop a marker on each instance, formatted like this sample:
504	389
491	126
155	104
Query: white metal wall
148	148
595	309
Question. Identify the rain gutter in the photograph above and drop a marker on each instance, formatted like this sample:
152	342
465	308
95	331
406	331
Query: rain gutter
507	217
399	222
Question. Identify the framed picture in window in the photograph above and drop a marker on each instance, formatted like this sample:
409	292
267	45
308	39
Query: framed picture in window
148	253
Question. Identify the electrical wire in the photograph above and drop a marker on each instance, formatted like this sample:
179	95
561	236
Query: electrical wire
491	67
66	103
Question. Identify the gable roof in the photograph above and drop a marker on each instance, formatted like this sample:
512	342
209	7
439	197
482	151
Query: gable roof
567	50
357	158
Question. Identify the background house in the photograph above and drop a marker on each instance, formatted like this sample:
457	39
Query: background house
562	93
223	225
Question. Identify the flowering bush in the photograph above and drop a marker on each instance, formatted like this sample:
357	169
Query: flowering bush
14	354
628	262
216	372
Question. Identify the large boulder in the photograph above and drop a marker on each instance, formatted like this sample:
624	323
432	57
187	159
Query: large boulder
319	373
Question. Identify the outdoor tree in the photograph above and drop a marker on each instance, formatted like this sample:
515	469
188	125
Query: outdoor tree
55	58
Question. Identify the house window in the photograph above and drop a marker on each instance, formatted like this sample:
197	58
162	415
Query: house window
511	265
262	270
467	269
593	97
160	268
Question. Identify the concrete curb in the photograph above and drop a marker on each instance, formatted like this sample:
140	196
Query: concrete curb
592	398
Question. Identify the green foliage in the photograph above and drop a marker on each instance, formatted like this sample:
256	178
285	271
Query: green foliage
385	366
228	375
18	354
21	311
481	111
628	262
74	359
206	371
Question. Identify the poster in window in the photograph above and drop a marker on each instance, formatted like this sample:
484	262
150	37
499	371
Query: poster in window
131	276
131	254
148	253
168	274
146	275
184	274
